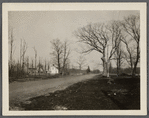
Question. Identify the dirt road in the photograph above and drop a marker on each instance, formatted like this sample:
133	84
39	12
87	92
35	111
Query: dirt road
21	91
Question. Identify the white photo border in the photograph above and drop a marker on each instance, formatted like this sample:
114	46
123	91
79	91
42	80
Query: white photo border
141	6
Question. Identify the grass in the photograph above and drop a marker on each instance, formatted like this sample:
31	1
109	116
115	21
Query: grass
33	78
94	94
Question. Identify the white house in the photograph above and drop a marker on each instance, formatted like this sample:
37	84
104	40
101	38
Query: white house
53	70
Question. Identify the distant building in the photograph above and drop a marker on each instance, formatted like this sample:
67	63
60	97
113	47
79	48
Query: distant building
53	70
32	71
39	70
48	71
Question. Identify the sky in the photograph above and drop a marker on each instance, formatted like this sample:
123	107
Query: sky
38	28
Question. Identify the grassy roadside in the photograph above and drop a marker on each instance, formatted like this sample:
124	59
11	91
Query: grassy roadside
94	94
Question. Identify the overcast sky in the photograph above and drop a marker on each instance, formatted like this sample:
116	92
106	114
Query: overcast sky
39	28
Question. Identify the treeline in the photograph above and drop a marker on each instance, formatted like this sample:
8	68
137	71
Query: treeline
33	67
115	40
124	71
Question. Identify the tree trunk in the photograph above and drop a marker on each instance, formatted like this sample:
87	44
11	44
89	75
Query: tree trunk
59	67
136	62
134	71
118	66
135	67
108	65
104	68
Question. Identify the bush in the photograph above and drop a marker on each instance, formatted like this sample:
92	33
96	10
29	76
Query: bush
96	71
88	69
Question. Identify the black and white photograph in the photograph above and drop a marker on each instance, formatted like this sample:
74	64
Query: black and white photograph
71	58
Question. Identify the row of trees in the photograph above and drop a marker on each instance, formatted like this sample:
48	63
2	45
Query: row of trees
61	53
23	60
115	40
123	37
21	67
60	58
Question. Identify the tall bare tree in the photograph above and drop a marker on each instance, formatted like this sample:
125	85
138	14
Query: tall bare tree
95	36
35	58
45	65
12	49
61	53
57	53
129	55
115	34
27	63
66	53
98	36
119	58
81	61
32	64
23	52
131	26
40	66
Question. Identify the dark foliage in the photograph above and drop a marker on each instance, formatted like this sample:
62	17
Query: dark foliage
88	70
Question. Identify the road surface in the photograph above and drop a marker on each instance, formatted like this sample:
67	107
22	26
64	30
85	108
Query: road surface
22	91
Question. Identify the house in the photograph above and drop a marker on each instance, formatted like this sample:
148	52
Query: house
40	70
47	71
53	70
32	71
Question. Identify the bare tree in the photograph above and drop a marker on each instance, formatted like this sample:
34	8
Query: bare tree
45	66
119	57
24	49
21	54
35	58
81	62
115	34
57	53
66	53
27	63
12	50
131	26
129	55
32	64
61	53
97	36
40	66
